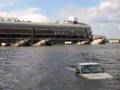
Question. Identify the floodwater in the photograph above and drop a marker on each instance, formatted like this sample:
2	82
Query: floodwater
45	68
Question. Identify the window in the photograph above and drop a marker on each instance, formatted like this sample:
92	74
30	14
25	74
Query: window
92	69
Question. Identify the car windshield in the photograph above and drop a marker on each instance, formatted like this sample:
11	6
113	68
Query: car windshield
92	69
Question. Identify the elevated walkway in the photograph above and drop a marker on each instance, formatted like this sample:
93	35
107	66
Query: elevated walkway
41	43
20	43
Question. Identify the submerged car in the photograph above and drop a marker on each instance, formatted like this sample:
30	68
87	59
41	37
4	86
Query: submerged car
91	71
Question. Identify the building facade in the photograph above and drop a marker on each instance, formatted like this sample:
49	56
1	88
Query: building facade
11	32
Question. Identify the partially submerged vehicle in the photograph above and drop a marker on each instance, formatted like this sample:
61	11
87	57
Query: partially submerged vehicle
91	70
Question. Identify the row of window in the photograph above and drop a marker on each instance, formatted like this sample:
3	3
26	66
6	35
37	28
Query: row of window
40	32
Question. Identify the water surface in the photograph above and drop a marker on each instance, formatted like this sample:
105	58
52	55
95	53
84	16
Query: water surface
45	68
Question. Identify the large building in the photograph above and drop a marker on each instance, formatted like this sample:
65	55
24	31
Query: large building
10	32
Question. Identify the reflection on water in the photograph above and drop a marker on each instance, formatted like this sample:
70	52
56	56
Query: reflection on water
31	68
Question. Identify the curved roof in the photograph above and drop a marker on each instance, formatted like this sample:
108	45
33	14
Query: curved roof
29	25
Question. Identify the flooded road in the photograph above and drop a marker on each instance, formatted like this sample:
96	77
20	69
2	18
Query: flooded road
45	68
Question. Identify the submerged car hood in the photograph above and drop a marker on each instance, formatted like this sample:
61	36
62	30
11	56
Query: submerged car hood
97	76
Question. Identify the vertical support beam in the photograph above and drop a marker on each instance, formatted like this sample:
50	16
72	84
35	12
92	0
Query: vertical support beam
32	36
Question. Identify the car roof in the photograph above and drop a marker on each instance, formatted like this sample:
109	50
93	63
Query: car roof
88	63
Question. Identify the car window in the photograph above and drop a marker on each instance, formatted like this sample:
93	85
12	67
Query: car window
92	69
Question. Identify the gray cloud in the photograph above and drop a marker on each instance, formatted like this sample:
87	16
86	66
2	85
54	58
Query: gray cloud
28	14
104	19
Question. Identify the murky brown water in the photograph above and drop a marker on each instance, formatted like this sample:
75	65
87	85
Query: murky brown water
31	68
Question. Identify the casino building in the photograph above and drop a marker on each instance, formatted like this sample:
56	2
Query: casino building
31	33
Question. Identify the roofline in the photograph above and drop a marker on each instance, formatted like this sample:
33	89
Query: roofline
33	24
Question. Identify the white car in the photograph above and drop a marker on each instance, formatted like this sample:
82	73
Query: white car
91	70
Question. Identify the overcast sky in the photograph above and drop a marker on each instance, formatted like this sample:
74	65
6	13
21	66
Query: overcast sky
102	15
